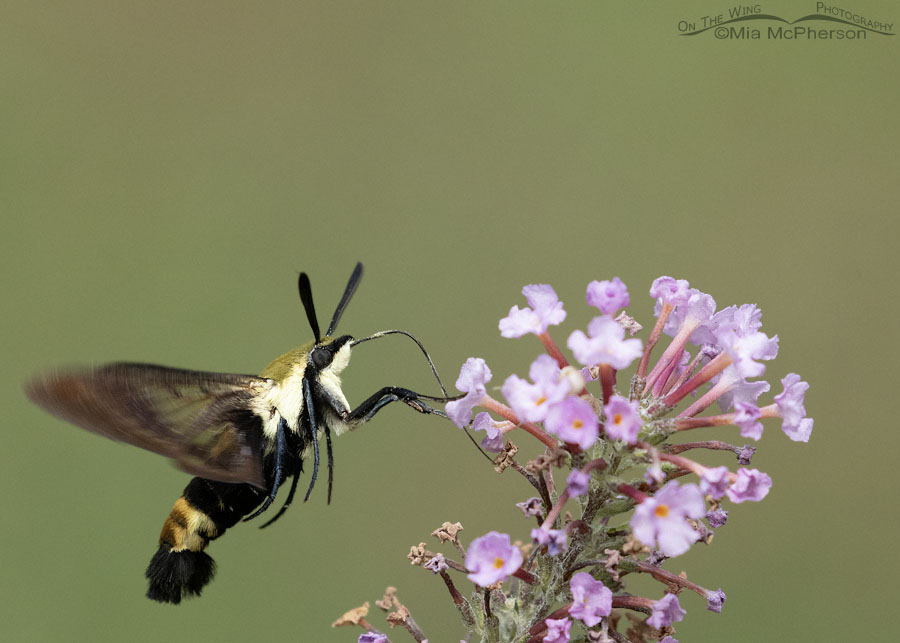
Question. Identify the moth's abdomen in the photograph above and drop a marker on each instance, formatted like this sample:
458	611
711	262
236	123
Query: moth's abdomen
181	568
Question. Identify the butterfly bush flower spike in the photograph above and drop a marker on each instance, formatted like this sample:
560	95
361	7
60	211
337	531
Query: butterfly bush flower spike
618	485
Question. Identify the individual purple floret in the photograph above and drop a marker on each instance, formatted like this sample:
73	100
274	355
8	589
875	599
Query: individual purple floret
715	600
608	296
473	376
573	420
623	422
532	400
605	343
373	637
558	630
554	539
437	564
717	518
492	558
494	439
577	483
715	481
666	611
747	418
660	521
544	310
751	484
592	600
790	407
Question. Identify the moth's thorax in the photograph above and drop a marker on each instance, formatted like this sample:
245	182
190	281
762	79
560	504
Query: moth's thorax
285	394
284	365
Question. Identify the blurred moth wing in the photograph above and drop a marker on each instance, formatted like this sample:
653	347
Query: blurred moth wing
209	424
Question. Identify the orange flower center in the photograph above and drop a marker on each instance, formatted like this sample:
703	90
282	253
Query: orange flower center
540	401
577	424
617	418
498	563
662	511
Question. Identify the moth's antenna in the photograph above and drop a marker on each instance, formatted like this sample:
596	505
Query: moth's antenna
306	297
348	293
403	332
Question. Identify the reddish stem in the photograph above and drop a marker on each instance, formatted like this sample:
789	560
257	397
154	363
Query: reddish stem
669	359
538	628
554	512
669	578
507	413
654	337
454	593
685	463
631	492
607	380
715	445
685	424
713	368
522	575
552	349
704	401
600	464
637	603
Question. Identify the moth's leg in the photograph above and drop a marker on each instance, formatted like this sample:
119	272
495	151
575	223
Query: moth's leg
314	429
366	410
287	503
280	450
330	460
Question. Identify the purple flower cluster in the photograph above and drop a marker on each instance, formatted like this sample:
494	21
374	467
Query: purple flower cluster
621	451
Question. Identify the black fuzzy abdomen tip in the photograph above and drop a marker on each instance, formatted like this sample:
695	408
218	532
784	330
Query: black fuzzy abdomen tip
174	575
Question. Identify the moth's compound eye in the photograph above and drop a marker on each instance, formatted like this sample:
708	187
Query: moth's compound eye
321	357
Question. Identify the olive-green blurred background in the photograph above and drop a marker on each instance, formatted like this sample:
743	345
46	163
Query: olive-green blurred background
167	168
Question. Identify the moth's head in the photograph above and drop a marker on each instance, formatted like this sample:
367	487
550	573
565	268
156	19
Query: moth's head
328	352
331	352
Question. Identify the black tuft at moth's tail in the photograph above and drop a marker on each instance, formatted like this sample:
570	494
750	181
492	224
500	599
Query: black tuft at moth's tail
180	568
174	575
